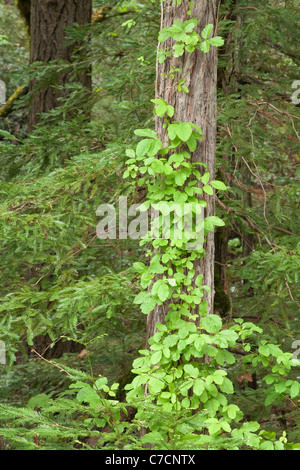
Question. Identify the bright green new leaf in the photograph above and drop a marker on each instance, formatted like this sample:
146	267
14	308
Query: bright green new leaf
156	357
204	46
217	41
295	389
145	133
206	31
218	185
215	221
212	323
205	178
184	131
208	190
143	147
164	34
190	25
198	387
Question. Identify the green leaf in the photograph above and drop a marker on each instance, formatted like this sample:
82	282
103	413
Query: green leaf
191	370
141	297
186	403
295	388
143	147
139	267
264	350
180	178
250	426
148	305
163	292
215	220
161	106
161	56
164	34
184	131
225	426
145	133
155	385
217	41
267	445
211	323
153	437
170	110
189	48
172	131
89	395
218	185
166	352
177	25
171	340
206	31
205	178
190	25
154	148
227	386
192	144
232	411
198	387
208	190
214	428
156	357
178	49
271	398
280	387
204	46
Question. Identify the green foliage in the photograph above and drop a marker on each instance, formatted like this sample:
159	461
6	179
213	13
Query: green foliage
74	419
58	279
184	371
186	39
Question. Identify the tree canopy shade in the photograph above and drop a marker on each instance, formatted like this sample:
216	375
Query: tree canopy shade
159	103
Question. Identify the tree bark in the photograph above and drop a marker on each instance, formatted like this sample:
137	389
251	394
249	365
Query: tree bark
198	106
48	20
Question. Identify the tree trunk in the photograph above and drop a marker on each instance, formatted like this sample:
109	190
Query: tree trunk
48	21
198	106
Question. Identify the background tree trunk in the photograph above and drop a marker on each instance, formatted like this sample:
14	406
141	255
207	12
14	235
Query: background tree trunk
48	20
198	106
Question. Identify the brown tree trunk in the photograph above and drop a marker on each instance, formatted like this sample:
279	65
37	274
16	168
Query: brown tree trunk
198	106
48	20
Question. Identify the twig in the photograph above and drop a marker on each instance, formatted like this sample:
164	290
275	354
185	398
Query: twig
262	186
49	362
252	8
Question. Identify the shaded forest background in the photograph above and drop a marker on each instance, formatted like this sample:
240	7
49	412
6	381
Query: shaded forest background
67	296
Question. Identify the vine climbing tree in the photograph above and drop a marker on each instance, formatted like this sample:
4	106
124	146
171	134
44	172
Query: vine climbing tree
183	369
187	80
